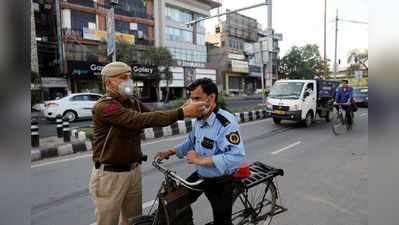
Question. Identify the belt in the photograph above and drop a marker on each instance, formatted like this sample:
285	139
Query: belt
115	168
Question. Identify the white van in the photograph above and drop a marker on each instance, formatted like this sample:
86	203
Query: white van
301	100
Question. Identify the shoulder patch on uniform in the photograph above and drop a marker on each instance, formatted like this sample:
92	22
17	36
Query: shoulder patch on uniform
111	108
223	120
234	138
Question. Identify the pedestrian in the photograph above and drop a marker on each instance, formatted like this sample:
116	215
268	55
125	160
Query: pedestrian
215	147
115	183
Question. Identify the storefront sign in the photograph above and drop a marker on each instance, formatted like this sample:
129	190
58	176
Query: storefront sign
99	35
255	71
85	68
184	63
239	66
143	69
236	56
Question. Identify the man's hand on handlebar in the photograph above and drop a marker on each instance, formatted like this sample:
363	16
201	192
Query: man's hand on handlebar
165	154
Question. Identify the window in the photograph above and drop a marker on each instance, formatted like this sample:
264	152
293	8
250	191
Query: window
174	34
80	98
200	39
310	86
121	26
80	19
94	97
178	15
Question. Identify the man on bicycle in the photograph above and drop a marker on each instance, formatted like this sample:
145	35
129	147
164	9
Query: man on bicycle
344	96
215	147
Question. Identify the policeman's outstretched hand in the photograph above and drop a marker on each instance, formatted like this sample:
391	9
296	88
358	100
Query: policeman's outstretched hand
194	108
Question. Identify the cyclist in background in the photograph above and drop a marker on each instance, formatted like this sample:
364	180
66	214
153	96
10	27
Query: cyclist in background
344	96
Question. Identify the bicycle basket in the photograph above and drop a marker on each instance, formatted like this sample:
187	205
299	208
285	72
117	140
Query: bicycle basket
175	208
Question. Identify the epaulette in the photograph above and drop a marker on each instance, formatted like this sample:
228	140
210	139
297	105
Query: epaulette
223	120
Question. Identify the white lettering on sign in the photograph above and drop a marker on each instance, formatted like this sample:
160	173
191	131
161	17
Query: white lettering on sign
95	67
140	69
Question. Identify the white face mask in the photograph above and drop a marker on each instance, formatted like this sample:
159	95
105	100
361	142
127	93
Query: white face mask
126	88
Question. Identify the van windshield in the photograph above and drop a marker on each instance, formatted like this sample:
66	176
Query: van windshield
286	90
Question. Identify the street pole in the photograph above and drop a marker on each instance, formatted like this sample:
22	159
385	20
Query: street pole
270	31
336	41
263	73
113	33
325	39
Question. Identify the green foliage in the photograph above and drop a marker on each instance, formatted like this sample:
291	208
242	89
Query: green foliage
357	56
302	62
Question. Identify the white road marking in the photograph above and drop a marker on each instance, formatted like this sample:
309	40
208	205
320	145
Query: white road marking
286	148
145	205
144	144
363	114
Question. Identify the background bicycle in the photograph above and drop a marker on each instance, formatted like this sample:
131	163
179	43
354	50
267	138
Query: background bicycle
342	120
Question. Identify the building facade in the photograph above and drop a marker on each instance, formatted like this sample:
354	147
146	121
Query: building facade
186	43
241	50
84	26
238	73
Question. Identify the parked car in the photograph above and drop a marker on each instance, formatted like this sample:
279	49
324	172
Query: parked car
361	96
73	106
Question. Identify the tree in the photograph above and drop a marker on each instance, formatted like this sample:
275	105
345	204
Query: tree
302	62
358	56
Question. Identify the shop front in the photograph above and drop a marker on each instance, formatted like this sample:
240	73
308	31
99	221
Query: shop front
237	79
54	87
86	77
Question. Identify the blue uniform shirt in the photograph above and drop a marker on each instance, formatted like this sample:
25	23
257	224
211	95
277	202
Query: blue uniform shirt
344	94
218	137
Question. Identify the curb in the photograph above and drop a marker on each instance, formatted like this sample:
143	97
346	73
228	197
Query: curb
180	127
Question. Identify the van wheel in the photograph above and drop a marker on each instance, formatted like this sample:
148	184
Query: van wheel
308	120
277	121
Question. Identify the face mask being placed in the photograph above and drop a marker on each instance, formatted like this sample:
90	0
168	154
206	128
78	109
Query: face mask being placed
126	88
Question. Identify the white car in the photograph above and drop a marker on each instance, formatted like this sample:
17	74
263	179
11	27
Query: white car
73	106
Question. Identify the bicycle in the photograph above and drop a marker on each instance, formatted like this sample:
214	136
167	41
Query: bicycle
342	123
254	198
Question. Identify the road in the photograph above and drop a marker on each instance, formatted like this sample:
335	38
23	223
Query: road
325	180
48	128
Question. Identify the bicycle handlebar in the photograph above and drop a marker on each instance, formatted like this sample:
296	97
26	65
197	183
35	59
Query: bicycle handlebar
171	174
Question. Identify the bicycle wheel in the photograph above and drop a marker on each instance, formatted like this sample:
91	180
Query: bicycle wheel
254	205
338	124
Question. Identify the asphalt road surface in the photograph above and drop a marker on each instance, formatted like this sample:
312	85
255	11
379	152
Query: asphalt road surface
325	180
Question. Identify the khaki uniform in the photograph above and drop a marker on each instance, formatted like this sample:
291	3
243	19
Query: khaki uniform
116	143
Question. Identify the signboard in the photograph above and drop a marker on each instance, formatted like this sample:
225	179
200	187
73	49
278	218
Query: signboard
239	66
50	82
80	68
184	63
110	32
143	69
236	56
99	35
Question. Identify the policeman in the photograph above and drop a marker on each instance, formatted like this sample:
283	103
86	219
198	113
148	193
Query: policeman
216	148
115	184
